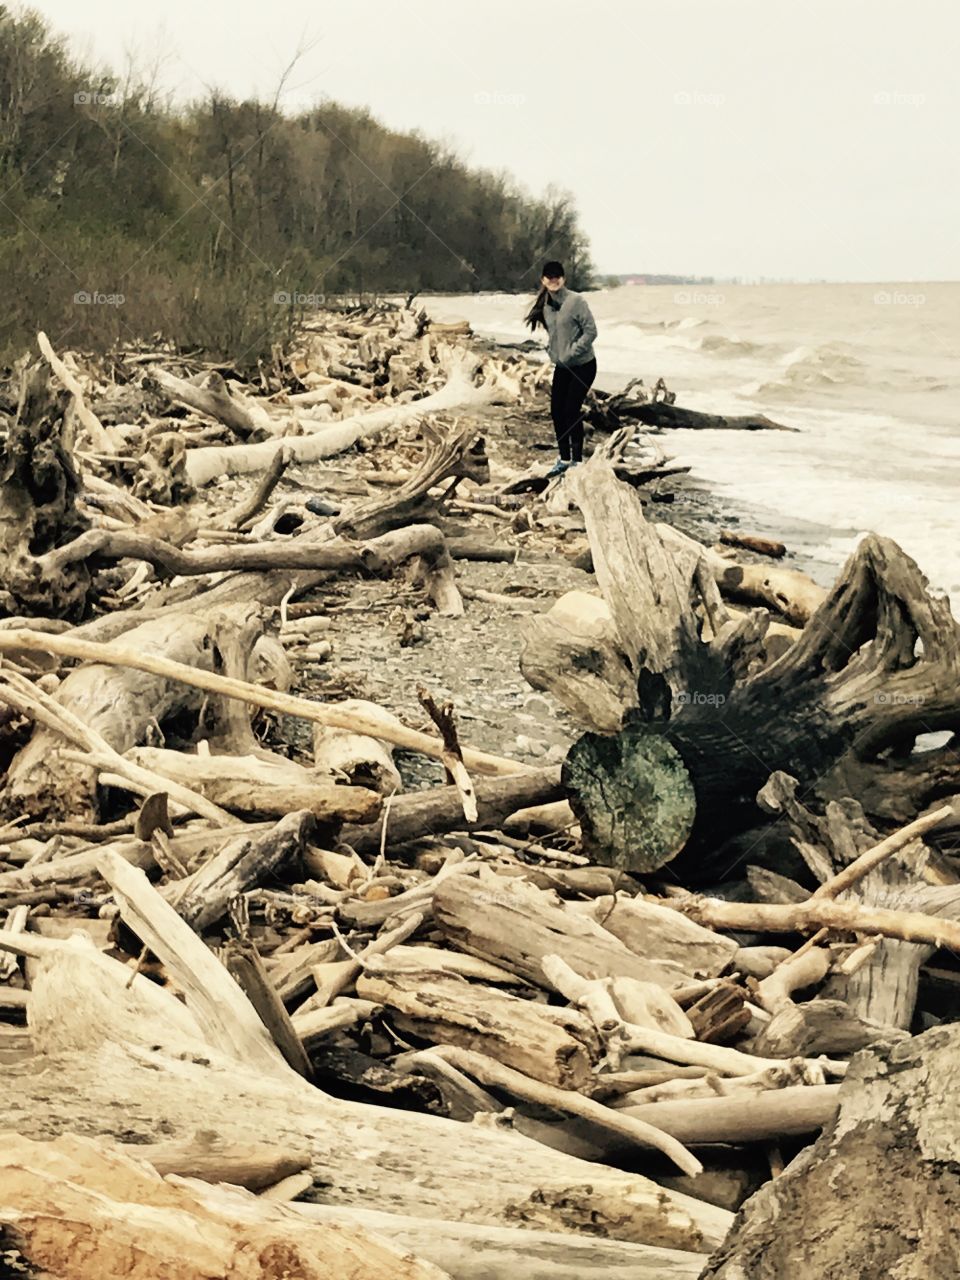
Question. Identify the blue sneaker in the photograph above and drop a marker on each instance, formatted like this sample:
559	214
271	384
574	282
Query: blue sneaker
558	468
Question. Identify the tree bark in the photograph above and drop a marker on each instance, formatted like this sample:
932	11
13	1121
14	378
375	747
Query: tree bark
881	1184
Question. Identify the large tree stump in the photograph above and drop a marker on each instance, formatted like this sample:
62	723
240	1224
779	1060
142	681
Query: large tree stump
877	664
878	1194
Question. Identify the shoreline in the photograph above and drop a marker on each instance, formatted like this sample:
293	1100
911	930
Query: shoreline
699	508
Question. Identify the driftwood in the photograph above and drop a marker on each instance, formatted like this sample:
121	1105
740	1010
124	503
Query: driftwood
130	1217
203	897
420	814
579	1018
252	785
893	1210
39	488
471	1252
571	651
224	1093
685	768
557	1047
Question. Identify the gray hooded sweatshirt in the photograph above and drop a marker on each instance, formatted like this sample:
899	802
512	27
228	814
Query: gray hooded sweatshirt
571	327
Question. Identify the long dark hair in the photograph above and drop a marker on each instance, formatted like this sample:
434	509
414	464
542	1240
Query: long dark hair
534	316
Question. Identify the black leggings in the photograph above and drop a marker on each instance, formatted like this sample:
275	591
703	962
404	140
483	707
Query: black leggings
570	386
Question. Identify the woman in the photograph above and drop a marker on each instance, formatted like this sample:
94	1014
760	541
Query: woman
567	318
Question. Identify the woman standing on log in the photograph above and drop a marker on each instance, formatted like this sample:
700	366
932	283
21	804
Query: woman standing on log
569	322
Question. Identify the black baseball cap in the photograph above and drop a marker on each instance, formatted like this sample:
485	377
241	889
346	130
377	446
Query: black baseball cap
552	270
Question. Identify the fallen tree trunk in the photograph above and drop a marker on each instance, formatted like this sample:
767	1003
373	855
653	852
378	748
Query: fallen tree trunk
878	663
326	440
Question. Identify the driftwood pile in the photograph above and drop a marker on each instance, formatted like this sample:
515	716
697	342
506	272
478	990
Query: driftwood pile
265	1012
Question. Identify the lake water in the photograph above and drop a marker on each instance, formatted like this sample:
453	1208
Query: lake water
869	373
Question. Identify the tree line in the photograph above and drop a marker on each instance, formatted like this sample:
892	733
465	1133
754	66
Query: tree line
218	224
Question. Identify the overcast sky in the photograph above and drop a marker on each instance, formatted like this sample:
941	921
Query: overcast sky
806	139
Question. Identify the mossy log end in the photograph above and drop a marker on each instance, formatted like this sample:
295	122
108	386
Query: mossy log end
633	797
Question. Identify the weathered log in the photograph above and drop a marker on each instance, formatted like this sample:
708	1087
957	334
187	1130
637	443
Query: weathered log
426	813
359	759
653	932
877	663
571	652
751	542
555	1046
471	1252
881	1183
672	416
211	395
819	1026
516	925
744	1116
90	1209
204	896
248	784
